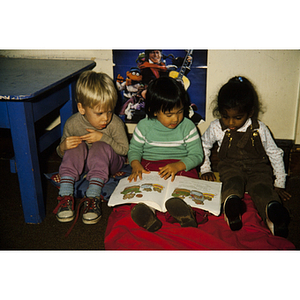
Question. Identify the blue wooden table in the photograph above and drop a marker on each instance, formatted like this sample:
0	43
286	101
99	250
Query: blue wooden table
30	89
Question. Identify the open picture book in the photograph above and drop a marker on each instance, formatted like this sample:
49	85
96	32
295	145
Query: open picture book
155	191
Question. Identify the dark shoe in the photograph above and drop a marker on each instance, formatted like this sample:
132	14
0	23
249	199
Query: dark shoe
65	209
182	212
278	219
92	210
91	213
233	212
143	216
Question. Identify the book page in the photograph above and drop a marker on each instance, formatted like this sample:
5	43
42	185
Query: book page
151	189
197	193
155	191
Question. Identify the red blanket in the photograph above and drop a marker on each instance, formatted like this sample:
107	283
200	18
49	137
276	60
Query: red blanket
123	234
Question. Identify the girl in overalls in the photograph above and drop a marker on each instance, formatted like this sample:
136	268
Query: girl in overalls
248	157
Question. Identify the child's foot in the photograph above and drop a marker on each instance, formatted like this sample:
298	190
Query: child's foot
65	209
278	219
233	212
143	216
92	210
182	212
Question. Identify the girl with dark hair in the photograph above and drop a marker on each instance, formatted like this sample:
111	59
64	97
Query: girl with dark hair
166	142
248	157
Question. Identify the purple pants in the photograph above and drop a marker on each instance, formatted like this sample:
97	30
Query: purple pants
100	161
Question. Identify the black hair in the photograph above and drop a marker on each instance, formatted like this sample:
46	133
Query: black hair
240	94
165	93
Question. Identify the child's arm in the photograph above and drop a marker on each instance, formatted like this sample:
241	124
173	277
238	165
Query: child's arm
135	153
69	142
283	194
208	140
209	176
114	135
137	171
69	139
275	155
117	137
171	170
193	146
194	153
92	137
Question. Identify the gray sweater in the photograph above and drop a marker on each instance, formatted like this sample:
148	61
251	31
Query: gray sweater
114	134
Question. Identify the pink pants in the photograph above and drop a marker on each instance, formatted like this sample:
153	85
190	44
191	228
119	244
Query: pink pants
100	161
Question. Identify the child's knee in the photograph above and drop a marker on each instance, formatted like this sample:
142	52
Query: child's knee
103	149
100	146
261	190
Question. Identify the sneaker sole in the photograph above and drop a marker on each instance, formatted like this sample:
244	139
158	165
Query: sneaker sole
65	220
94	221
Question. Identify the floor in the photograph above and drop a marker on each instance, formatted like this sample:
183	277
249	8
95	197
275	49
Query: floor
50	234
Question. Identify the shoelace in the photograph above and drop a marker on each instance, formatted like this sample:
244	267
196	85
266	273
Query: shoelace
91	204
63	202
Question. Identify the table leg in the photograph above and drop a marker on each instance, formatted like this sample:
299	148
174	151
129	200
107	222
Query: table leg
68	108
27	160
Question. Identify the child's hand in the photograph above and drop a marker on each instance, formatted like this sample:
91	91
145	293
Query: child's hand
137	171
70	142
171	170
92	137
283	194
209	176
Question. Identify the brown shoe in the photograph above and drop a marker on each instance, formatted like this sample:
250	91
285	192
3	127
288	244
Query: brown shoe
182	212
143	216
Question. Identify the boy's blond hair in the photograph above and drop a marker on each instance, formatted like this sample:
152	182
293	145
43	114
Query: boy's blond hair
93	89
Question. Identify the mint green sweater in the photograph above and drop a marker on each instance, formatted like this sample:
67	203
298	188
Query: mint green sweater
153	141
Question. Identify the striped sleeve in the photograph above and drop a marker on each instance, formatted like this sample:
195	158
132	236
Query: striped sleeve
194	149
136	145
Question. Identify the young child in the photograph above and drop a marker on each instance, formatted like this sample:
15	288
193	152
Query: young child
94	141
166	142
246	149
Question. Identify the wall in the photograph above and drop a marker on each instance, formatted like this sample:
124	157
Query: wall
275	74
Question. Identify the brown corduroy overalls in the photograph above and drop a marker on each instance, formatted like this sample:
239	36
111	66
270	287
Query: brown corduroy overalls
244	167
